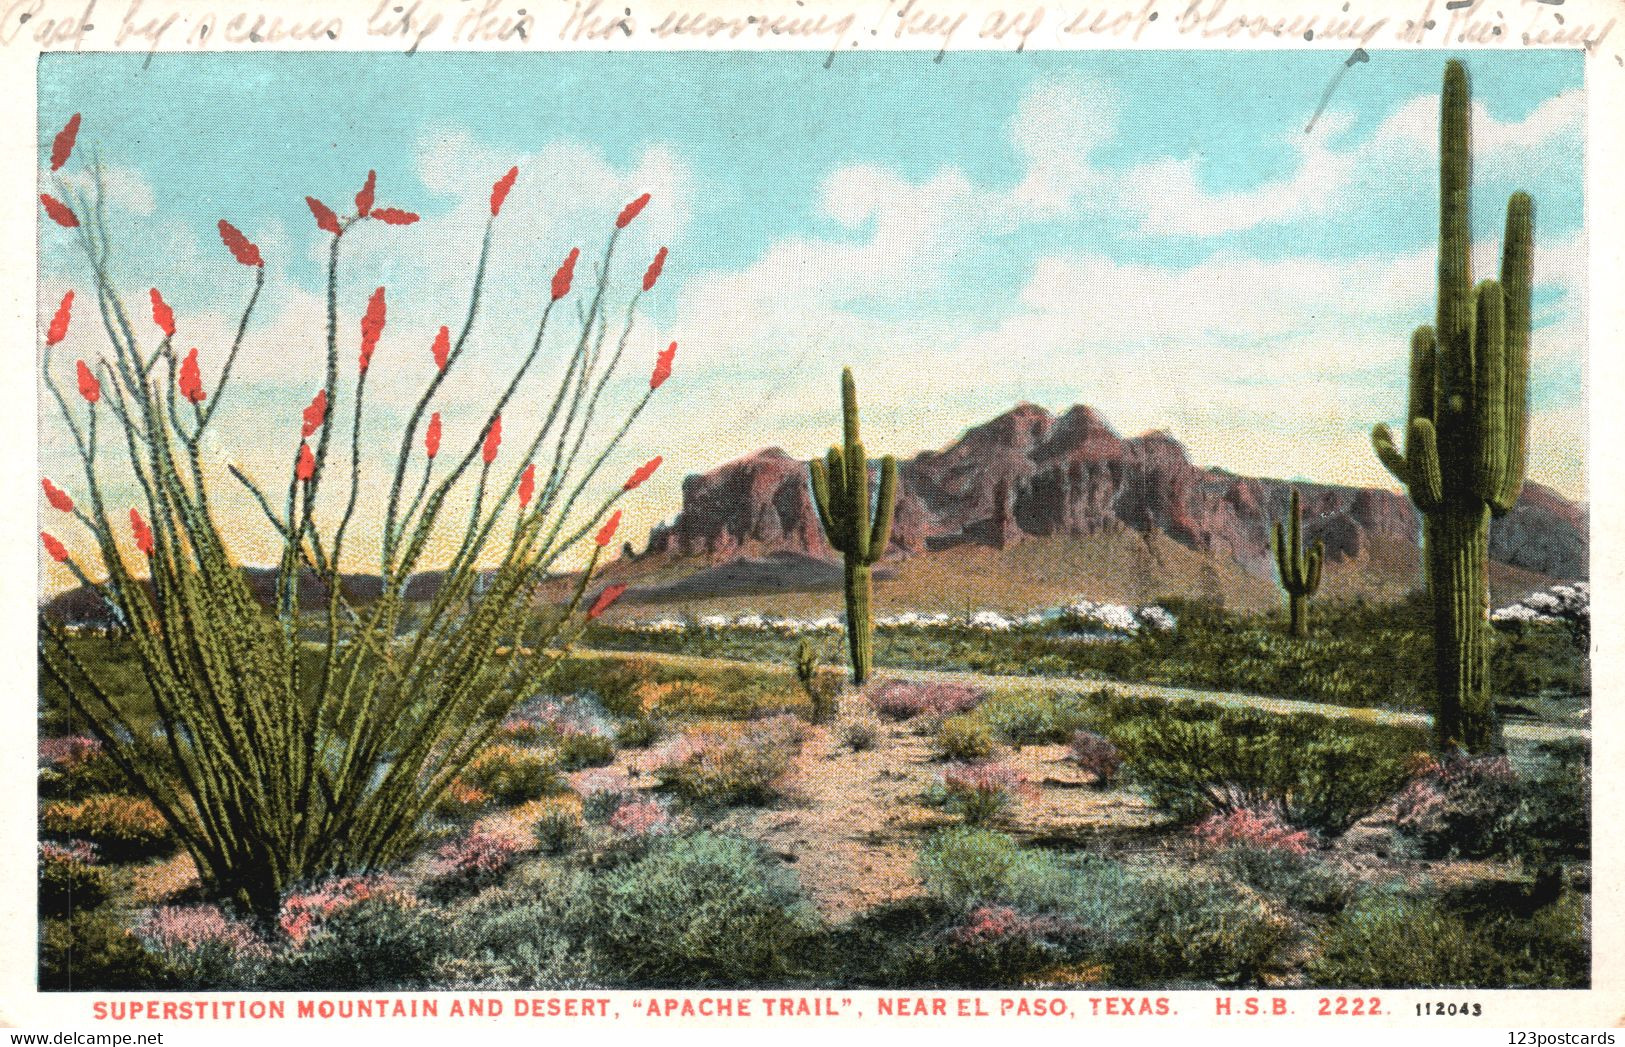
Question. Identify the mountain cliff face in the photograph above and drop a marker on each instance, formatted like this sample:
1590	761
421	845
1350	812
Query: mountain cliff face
1028	473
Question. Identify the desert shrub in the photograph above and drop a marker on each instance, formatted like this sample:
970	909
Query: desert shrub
461	799
965	737
903	699
982	791
122	827
1552	822
640	818
472	861
1190	928
1383	940
510	774
76	766
556	823
1462	807
1191	760
534	934
203	948
1095	754
579	749
1301	880
1260	830
998	945
702	909
860	735
640	732
385	941
306	912
614	682
69	879
966	864
721	765
1031	717
731	695
94	951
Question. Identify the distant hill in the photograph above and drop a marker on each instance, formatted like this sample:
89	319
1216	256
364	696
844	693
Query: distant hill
1005	509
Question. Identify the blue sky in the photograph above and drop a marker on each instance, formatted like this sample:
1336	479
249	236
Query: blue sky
1153	233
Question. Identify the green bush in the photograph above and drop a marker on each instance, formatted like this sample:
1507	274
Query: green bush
69	883
613	681
576	751
384	942
534	934
965	737
724	765
1191	928
1302	881
702	909
962	865
1387	941
123	828
637	733
1192	759
93	951
77	779
1031	717
510	774
1552	823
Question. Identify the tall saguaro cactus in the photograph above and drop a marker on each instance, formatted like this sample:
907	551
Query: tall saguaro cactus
840	487
1465	438
1300	572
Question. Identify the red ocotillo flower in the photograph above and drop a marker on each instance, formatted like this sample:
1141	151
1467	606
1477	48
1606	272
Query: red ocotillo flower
240	246
59	212
190	381
662	369
305	468
566	273
62	145
652	274
89	387
605	599
363	199
326	220
162	314
642	473
394	216
53	548
316	414
499	192
143	533
527	485
431	438
372	327
631	211
493	439
606	532
59	323
57	496
442	347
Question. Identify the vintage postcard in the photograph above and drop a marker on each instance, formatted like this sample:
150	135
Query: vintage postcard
813	516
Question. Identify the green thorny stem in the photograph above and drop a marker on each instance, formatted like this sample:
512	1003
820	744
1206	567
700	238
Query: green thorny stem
268	780
1466	429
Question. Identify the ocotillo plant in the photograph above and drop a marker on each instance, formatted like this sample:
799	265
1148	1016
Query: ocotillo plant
1300	572
840	487
1466	425
293	742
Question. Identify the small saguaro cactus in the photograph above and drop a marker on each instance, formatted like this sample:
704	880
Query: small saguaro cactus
1300	572
840	487
1465	436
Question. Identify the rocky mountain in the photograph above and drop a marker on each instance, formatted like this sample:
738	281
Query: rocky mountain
1030	474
